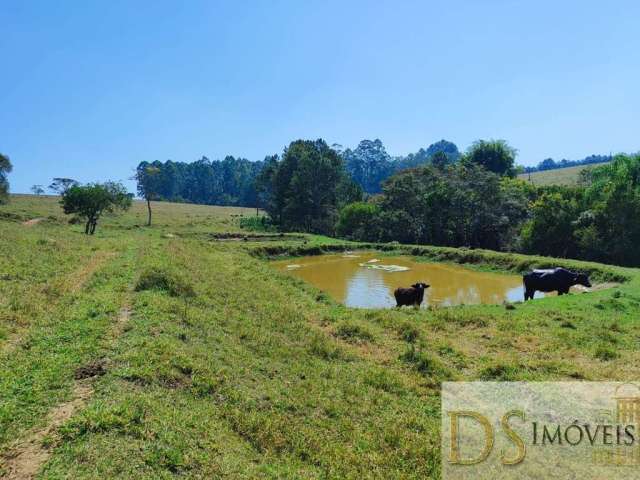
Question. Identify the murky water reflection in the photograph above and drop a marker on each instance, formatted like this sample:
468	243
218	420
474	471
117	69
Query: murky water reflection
369	286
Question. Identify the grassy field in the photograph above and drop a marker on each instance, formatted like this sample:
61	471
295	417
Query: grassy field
166	351
558	176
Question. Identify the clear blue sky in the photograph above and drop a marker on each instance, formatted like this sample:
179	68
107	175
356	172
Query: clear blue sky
89	89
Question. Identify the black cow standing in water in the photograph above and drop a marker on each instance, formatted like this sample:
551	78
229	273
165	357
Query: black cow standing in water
552	280
410	296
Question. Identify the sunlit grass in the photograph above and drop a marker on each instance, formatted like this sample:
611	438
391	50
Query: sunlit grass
227	367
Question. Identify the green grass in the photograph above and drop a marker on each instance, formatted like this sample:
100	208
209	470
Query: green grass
228	369
557	176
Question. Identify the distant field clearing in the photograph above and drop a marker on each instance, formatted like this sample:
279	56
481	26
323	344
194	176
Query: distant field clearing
558	176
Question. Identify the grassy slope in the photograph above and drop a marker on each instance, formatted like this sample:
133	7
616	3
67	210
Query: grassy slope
259	375
558	176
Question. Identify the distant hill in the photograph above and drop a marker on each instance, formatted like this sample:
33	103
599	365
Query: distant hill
557	176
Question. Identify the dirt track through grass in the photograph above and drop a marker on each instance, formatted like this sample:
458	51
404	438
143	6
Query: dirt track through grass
25	458
23	461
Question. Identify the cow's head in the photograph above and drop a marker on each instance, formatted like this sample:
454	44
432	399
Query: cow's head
420	286
582	279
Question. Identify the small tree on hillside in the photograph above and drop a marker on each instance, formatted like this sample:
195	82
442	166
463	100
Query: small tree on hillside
5	169
148	178
90	202
37	190
59	185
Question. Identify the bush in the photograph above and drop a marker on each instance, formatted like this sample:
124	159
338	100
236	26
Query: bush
359	221
408	332
324	347
353	333
384	380
426	364
501	372
92	201
257	224
157	278
605	354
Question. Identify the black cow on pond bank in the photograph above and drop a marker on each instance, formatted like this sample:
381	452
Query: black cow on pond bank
553	280
410	296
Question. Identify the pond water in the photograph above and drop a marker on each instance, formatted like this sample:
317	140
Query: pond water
367	280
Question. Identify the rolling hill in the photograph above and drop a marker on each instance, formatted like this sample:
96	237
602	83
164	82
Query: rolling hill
558	176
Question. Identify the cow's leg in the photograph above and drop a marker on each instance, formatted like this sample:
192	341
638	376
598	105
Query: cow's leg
528	295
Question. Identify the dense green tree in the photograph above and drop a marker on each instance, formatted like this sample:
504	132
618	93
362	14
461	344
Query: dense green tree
307	187
597	220
609	230
494	155
425	156
440	160
5	169
369	164
90	202
455	205
551	229
360	221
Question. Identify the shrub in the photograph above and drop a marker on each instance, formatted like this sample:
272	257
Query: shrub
324	347
606	353
384	380
359	221
92	201
353	333
426	364
157	278
257	224
500	371
408	332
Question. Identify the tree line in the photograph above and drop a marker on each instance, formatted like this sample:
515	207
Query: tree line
469	199
474	202
232	181
551	164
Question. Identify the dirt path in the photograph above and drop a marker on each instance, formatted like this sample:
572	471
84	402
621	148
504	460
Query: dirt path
76	281
32	222
83	274
24	460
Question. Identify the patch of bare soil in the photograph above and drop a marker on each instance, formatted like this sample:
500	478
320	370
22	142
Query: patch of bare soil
604	286
121	322
11	343
83	274
26	457
32	222
24	460
93	369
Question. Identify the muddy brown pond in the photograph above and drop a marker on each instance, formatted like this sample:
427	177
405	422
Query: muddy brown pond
367	280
